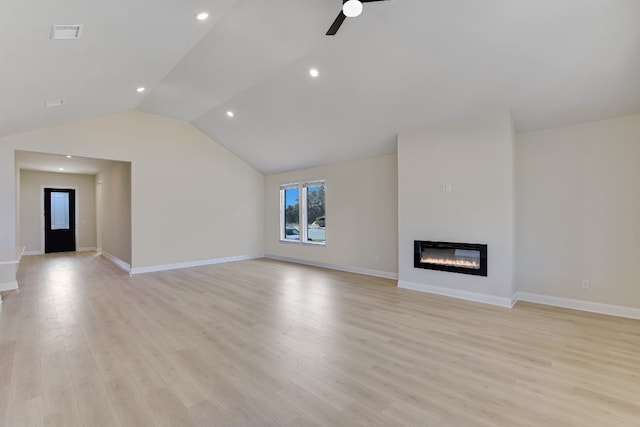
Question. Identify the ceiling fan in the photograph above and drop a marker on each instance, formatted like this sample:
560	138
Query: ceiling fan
350	9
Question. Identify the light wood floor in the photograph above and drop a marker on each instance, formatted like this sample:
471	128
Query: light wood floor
265	343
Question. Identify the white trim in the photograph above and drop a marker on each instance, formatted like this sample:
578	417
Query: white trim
290	185
87	249
303	223
311	242
302	210
357	270
188	264
457	293
29	253
281	225
11	256
593	307
9	286
297	242
117	261
589	306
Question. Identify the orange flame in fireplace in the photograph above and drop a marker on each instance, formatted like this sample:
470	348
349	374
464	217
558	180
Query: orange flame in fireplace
452	262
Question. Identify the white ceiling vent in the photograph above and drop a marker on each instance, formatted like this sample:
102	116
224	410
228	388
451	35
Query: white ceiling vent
65	32
54	103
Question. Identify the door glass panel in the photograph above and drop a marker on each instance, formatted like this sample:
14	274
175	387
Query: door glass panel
59	211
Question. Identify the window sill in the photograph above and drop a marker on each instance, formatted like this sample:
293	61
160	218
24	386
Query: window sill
297	242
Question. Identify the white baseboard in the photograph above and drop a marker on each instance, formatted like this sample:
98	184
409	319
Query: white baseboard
456	293
593	307
589	306
39	252
9	286
357	270
199	263
117	261
33	253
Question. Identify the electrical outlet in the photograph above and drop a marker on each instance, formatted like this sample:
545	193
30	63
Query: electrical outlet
585	284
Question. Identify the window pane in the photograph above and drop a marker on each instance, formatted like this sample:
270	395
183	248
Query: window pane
292	214
316	220
59	211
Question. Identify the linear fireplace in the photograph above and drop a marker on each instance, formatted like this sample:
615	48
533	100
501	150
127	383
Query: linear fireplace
465	258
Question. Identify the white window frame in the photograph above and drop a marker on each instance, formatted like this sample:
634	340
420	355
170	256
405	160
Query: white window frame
282	209
303	216
302	211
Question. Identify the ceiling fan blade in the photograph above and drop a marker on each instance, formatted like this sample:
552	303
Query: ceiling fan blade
336	24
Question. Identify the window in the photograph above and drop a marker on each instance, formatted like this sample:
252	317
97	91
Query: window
314	218
290	200
302	212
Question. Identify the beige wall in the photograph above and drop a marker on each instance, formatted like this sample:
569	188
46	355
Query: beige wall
31	214
361	208
578	211
191	198
576	200
114	184
9	193
476	158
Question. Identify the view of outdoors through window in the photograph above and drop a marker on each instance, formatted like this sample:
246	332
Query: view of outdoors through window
315	213
302	212
292	214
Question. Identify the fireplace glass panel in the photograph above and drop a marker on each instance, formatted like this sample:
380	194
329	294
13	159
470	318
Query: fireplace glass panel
466	258
463	258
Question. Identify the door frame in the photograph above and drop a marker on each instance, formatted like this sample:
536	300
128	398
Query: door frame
42	224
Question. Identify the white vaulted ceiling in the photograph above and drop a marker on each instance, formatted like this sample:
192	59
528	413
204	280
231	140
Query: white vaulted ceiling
402	64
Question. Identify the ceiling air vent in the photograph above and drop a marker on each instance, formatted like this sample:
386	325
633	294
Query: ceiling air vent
54	103
65	32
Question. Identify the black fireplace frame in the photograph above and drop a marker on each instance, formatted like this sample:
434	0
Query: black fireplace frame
482	248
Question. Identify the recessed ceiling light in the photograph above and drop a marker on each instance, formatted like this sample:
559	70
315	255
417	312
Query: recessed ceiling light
68	157
313	72
65	32
140	89
202	16
230	113
60	169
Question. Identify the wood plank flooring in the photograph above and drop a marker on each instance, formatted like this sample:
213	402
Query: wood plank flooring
267	343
